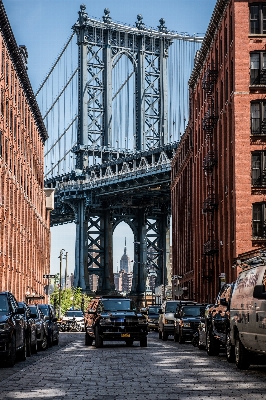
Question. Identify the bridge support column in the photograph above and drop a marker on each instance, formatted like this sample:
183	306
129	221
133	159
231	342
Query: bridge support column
140	256
107	278
81	277
164	249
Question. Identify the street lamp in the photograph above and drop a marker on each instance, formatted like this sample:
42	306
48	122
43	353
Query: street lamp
60	278
66	270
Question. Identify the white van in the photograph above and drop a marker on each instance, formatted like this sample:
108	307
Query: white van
248	315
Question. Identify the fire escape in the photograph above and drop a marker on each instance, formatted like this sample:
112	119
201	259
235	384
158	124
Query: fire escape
209	122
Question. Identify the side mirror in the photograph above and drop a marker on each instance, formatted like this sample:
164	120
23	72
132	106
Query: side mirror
46	318
91	311
259	292
20	311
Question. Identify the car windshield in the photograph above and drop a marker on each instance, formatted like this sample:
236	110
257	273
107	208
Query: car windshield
154	310
3	305
117	305
45	310
74	314
171	307
193	311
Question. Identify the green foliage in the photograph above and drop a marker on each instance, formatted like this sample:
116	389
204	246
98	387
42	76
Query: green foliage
70	298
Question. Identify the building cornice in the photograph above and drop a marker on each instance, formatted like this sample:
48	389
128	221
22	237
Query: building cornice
19	65
211	32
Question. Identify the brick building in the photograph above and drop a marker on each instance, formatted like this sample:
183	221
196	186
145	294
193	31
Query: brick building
218	173
24	217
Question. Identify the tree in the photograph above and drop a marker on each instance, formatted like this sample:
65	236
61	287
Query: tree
72	298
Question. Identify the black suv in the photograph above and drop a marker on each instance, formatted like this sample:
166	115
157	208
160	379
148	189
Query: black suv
31	329
188	321
12	330
217	324
51	321
41	326
114	318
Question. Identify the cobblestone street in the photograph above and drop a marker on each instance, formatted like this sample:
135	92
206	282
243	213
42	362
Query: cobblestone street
163	370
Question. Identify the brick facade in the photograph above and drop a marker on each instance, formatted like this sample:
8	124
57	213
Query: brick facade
218	188
24	219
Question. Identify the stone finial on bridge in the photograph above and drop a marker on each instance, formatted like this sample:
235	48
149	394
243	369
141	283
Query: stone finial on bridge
83	16
139	23
106	18
162	27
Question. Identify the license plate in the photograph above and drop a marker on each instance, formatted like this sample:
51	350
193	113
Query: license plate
125	334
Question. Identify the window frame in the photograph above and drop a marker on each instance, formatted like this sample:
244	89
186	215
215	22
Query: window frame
256	21
259	77
261	121
259	224
258	168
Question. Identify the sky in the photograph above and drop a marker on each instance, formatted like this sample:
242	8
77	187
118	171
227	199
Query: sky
43	26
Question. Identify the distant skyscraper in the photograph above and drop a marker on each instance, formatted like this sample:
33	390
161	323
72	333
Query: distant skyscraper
125	260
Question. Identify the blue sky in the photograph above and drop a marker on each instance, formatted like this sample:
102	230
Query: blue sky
43	26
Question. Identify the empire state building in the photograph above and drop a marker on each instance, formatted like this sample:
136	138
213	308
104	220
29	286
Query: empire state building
125	260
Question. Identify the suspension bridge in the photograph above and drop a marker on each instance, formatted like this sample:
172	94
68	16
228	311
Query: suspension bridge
114	104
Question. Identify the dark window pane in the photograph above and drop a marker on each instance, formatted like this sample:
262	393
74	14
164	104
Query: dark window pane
254	19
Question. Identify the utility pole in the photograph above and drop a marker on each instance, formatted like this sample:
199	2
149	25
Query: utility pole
60	279
66	270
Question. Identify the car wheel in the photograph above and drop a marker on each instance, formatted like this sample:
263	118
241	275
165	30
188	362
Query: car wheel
176	337
160	334
98	338
181	340
11	358
241	355
56	341
230	349
79	328
28	344
34	348
50	339
164	335
23	352
213	347
44	343
88	339
143	342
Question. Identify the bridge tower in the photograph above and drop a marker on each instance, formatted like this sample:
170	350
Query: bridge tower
103	48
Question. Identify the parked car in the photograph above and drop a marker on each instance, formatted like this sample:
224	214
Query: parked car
167	316
116	319
188	321
41	327
217	323
53	329
76	316
153	317
202	334
248	315
12	330
31	330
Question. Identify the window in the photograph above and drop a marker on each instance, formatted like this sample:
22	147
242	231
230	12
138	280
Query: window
258	118
258	68
257	17
258	168
259	220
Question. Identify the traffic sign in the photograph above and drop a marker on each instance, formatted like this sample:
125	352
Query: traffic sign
48	276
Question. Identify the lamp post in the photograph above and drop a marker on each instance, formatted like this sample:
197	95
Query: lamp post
60	278
66	270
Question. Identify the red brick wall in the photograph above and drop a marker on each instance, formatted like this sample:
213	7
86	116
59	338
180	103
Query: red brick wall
24	221
230	224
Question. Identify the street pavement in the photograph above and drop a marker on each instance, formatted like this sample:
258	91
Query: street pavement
163	370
